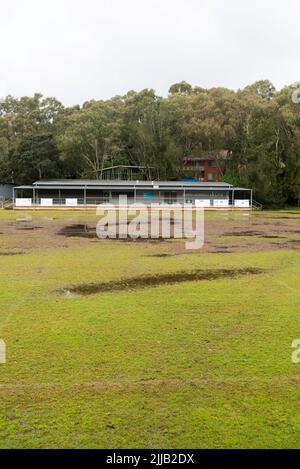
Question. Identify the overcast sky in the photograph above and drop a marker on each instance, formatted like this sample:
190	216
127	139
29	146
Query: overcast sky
82	49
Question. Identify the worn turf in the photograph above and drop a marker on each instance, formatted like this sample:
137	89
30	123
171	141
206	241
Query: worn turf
203	364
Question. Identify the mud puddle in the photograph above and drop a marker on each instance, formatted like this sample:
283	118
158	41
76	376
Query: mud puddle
137	283
78	231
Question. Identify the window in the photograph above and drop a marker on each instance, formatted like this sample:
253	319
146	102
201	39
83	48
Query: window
212	164
211	177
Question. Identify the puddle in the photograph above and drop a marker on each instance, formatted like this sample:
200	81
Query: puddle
68	294
78	231
25	219
136	283
85	231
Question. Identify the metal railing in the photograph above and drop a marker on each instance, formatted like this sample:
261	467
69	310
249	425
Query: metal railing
257	205
6	203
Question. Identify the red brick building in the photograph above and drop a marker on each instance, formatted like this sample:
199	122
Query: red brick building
206	167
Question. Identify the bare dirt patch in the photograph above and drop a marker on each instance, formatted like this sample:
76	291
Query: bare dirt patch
85	231
137	283
230	234
256	233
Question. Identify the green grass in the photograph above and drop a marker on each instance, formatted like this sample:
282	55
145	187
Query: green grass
197	364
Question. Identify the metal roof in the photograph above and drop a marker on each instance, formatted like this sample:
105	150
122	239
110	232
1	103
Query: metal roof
98	183
127	166
130	185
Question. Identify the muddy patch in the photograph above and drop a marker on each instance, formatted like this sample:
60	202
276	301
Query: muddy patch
12	253
162	255
142	240
138	283
272	237
223	249
78	231
28	228
243	233
283	218
85	231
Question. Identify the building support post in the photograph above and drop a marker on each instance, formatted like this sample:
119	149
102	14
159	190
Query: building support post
84	196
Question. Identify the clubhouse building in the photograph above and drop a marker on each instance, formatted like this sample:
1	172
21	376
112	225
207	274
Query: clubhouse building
85	194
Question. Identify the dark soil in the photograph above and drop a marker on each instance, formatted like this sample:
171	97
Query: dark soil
78	231
11	253
136	283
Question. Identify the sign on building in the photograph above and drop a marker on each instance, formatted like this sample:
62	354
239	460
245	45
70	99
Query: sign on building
242	203
202	202
221	203
23	202
46	202
71	202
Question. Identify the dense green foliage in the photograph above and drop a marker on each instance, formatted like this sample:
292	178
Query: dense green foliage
40	138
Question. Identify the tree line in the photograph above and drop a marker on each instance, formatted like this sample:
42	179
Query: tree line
259	126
